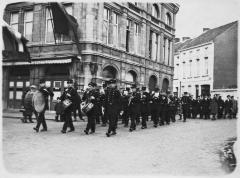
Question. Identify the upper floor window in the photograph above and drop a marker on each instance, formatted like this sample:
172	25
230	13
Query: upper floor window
136	37
49	37
168	19
115	29
206	66
106	18
155	11
28	24
14	21
128	34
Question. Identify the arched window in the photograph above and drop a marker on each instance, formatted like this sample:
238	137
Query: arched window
131	76
155	11
168	19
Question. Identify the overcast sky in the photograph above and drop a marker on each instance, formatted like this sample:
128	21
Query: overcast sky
194	15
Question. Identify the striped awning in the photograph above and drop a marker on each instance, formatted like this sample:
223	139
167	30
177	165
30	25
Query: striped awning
37	62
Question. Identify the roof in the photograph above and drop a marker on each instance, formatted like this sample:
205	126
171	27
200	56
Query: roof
180	45
209	35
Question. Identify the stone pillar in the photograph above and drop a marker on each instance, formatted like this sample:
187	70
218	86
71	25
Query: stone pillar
5	87
166	51
161	48
100	22
90	21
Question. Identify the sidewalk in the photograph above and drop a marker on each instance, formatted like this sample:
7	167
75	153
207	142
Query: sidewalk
16	114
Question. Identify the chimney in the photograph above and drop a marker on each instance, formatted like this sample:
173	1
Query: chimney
176	40
205	29
185	38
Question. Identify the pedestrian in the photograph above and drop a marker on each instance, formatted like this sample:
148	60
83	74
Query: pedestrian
205	107
214	107
69	96
144	101
134	106
220	107
92	97
102	99
185	106
124	105
112	106
171	106
228	107
77	108
46	92
234	107
59	109
155	106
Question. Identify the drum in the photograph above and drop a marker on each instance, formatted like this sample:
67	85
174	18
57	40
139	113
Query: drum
66	103
38	101
27	103
87	107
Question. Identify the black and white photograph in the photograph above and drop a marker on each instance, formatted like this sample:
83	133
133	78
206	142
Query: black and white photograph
120	88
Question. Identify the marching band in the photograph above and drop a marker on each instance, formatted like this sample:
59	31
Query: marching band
132	105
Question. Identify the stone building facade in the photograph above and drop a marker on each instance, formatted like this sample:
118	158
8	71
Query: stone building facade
207	64
132	42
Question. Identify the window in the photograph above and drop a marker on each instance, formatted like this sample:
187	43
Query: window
106	18
190	68
206	66
28	24
14	21
115	29
49	37
154	50
128	34
184	70
136	37
198	67
168	19
169	52
155	11
164	49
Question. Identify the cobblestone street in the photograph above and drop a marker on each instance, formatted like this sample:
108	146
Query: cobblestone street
190	148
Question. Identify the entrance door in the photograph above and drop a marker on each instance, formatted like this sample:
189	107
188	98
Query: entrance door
205	90
152	83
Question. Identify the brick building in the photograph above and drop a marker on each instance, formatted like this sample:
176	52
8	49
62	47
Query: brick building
207	64
132	42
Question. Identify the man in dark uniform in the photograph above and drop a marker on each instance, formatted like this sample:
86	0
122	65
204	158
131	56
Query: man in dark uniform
220	107
144	107
112	106
155	106
228	107
102	99
41	117
171	108
185	106
77	108
134	106
205	107
93	96
71	94
125	109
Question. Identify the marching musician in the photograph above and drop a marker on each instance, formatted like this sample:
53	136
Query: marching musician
41	117
124	105
134	106
112	106
91	96
155	103
144	107
69	94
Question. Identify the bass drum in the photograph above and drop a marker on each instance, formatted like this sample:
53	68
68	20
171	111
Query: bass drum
27	103
38	102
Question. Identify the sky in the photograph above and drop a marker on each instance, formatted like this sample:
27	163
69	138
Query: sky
194	15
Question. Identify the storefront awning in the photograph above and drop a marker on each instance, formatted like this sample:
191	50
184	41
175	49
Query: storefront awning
35	62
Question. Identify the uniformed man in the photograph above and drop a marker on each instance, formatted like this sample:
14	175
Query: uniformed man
41	117
134	106
112	106
125	108
144	107
205	107
185	106
102	99
91	96
164	109
220	107
69	94
155	106
172	108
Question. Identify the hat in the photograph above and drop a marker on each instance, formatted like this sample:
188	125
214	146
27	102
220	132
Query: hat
144	88
92	84
70	81
42	80
112	81
134	86
33	86
128	89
